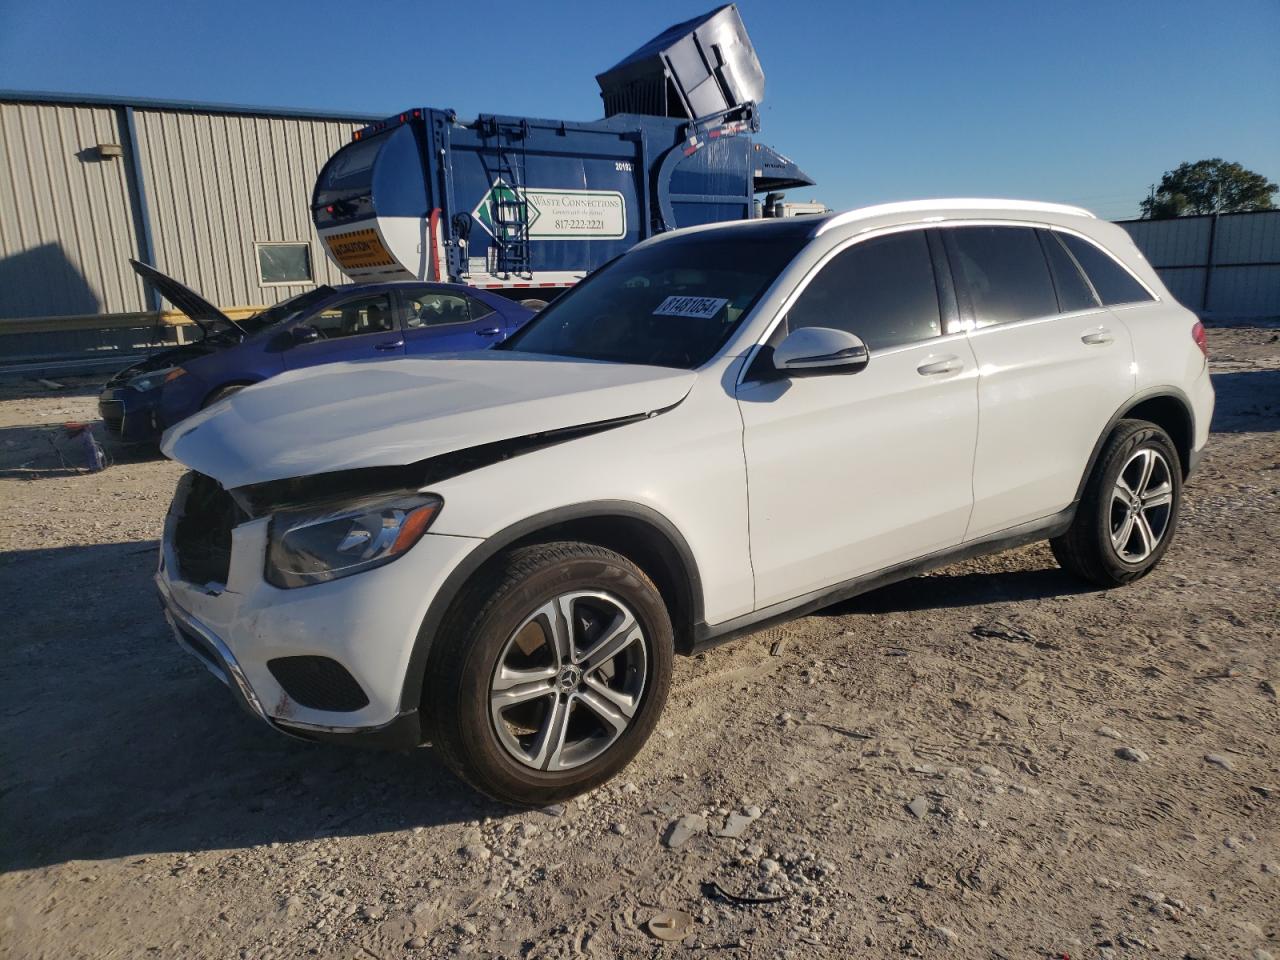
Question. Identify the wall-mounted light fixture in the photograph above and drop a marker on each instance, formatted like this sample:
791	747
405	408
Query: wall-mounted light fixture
108	151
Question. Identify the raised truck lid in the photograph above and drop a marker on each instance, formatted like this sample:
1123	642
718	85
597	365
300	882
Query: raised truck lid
693	69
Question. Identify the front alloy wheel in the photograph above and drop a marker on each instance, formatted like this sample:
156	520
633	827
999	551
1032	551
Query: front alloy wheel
569	680
549	673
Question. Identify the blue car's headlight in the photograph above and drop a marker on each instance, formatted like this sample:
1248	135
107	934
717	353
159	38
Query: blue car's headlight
155	378
325	543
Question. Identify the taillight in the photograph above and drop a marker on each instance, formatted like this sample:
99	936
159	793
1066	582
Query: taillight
1197	334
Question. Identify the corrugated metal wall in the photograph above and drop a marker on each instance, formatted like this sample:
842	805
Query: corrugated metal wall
1238	258
66	220
217	184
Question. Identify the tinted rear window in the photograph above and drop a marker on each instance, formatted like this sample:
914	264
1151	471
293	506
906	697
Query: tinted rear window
1113	282
1003	272
1074	292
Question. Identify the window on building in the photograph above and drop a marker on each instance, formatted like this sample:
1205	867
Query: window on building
1113	282
284	263
882	290
1003	272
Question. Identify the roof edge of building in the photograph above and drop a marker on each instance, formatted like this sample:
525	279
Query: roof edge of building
187	106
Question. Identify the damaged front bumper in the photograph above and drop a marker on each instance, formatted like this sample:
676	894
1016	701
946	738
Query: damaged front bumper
402	733
363	628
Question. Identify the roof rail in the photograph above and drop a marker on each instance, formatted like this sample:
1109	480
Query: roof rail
950	203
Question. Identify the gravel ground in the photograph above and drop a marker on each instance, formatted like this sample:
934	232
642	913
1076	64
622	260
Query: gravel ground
986	762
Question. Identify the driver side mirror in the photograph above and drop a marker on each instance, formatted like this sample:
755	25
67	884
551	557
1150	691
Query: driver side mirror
820	350
304	333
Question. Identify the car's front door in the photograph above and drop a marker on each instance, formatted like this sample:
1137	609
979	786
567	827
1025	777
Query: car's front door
360	327
444	321
1055	367
850	473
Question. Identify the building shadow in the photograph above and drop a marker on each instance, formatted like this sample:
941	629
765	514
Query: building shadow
115	742
1247	401
43	282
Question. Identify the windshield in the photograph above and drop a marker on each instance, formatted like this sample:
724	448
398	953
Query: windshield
284	310
673	304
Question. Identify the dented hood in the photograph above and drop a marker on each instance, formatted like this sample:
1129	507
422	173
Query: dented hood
378	413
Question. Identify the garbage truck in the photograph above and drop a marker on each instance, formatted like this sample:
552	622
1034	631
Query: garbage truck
526	206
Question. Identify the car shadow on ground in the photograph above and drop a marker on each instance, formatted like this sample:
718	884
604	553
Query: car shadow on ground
114	742
961	589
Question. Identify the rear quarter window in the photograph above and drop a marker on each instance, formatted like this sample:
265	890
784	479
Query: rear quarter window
1115	285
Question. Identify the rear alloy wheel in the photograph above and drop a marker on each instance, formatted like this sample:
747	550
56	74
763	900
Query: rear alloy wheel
1141	505
1128	513
549	673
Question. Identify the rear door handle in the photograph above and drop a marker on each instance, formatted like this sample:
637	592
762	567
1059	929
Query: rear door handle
936	367
1097	337
389	345
488	332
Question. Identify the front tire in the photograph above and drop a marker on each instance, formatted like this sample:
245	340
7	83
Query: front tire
549	673
1129	512
222	393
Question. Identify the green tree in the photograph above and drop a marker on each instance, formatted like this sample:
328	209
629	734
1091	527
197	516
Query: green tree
1209	186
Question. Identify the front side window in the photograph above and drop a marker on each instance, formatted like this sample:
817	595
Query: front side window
882	290
673	304
1113	282
1003	272
429	308
351	318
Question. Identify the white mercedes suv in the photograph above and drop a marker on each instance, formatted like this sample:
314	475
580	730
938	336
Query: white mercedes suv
500	552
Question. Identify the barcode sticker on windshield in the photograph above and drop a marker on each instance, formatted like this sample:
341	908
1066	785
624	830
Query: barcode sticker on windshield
703	308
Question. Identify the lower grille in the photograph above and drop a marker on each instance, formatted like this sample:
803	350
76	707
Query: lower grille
318	683
202	535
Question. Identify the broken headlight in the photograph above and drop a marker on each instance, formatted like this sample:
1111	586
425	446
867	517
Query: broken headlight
325	543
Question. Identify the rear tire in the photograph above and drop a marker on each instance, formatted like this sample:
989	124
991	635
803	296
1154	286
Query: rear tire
549	672
1128	514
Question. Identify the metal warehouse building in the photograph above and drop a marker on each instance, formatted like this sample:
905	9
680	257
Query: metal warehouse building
217	196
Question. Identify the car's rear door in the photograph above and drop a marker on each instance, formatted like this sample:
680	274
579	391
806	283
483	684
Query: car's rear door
1055	366
447	320
358	327
850	473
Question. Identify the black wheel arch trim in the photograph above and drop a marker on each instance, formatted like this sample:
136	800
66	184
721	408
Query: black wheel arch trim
1152	393
411	692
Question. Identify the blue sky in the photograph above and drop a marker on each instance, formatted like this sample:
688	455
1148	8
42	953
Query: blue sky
1084	102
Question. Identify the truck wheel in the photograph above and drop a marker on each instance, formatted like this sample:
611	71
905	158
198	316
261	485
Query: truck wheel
549	673
1127	517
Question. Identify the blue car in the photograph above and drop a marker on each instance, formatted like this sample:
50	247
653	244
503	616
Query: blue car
351	321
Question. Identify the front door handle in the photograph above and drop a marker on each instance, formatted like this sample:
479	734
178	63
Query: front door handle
488	332
1097	337
389	345
936	367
